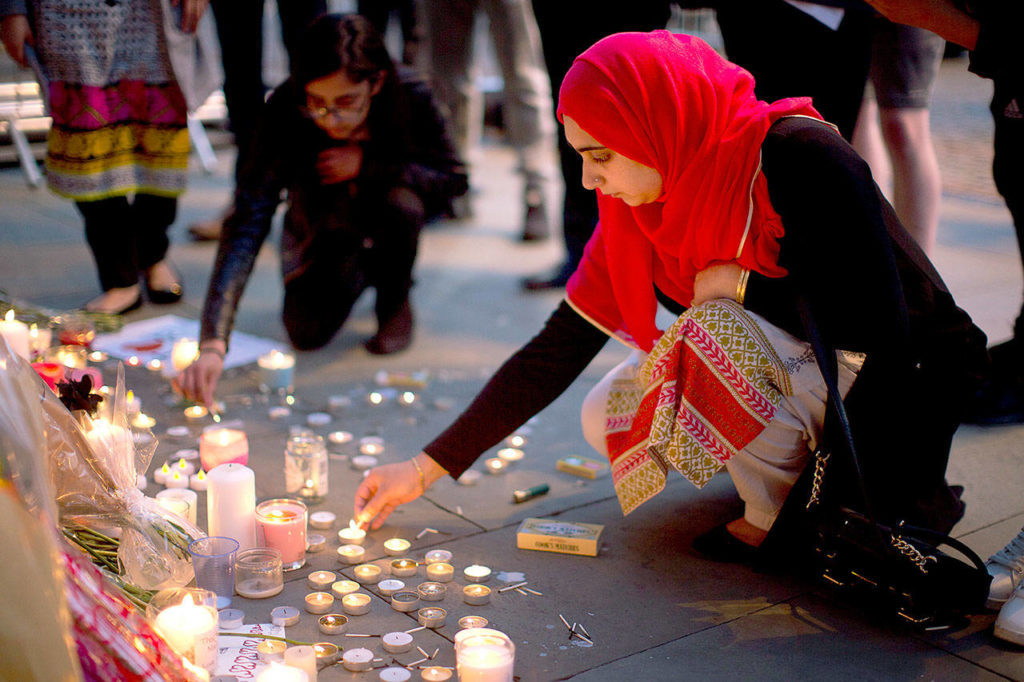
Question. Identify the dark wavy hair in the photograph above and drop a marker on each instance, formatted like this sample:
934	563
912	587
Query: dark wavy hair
341	42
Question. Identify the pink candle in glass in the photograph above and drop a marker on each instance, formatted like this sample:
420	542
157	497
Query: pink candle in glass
222	446
281	524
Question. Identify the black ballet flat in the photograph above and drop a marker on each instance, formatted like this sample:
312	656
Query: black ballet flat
172	294
134	305
718	544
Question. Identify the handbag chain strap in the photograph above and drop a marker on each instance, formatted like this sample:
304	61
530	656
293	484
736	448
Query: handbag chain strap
820	460
912	553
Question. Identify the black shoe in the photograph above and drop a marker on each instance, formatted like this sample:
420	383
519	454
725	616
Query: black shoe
394	335
535	219
134	305
718	544
172	294
555	279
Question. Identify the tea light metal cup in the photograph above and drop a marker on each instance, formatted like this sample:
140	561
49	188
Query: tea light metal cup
351	554
343	587
436	556
353	535
332	623
326	654
470	622
319	602
271	650
367	574
315	542
356	604
476	595
431	591
405	601
404	568
396	642
284	616
321	580
477	573
441	572
390	586
510	455
357	660
495	465
322	520
396	546
432	617
436	673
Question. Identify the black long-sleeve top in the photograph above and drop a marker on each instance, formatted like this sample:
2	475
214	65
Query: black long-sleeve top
407	146
869	285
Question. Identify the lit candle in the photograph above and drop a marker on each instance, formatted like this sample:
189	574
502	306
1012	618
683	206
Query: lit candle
356	604
222	445
435	673
16	334
396	546
276	370
278	672
340	437
279	412
510	455
353	535
51	372
405	601
326	654
161	474
321	580
440	572
154	365
176	480
332	623
39	339
432	617
472	622
351	554
183	353
281	524
270	650
367	574
431	591
438	556
516	440
319	602
477	573
469	477
390	586
404	568
197	481
231	503
175	505
184	467
132	404
485	658
396	642
321	520
357	660
98	356
191	630
495	465
476	595
343	587
196	412
143	421
363	462
407	398
371	445
302	658
179	496
375	398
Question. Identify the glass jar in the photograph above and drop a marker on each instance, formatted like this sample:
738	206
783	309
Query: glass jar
305	466
258	573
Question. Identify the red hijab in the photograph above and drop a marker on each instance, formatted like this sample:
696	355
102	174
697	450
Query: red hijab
672	103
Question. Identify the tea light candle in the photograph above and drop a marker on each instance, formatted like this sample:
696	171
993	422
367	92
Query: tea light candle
196	412
404	568
406	398
276	370
271	650
371	445
438	556
476	595
470	622
281	524
390	586
395	674
343	587
495	465
356	604
39	340
191	630
143	421
396	642
375	398
440	572
431	591
363	462
279	412
510	455
516	440
319	602
183	353
229	619
338	402
405	601
95	356
367	574
221	446
176	480
321	520
432	617
340	437
477	573
161	474
318	419
276	671
435	673
353	535
197	481
179	432
303	658
326	654
469	477
132	404
396	546
184	467
332	623
351	554
16	334
357	660
321	580
315	542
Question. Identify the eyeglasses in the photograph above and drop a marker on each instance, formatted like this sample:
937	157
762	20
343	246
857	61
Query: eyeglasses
351	112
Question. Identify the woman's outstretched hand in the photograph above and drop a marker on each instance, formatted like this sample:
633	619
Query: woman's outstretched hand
198	381
716	281
388	486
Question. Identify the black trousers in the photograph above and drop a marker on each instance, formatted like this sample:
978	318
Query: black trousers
127	236
1008	164
240	32
369	241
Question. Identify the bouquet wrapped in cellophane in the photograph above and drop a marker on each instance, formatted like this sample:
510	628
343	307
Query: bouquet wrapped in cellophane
60	619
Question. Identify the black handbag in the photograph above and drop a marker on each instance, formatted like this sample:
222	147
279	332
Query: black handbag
901	569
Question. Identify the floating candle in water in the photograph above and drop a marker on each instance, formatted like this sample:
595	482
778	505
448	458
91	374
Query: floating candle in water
396	546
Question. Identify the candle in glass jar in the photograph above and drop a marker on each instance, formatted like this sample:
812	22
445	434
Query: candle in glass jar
343	587
231	503
367	574
396	546
351	554
353	535
440	572
485	658
220	445
356	604
319	602
281	524
476	595
175	497
191	630
321	580
183	353
276	370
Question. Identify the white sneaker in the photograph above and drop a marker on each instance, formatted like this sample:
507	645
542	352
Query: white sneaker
1007	570
1010	623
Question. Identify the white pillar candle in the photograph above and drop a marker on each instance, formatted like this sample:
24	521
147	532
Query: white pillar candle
278	672
16	334
303	658
191	630
183	353
221	445
231	503
181	495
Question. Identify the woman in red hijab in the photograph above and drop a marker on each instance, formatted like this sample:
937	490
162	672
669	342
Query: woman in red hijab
727	210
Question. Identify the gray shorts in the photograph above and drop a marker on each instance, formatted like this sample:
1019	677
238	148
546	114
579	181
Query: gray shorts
904	63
